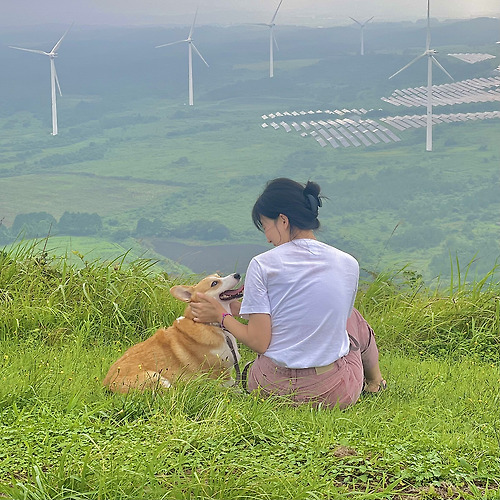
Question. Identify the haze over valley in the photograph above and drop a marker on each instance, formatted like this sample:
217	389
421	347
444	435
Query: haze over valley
134	166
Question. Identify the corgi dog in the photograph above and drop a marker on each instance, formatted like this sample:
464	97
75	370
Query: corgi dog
185	348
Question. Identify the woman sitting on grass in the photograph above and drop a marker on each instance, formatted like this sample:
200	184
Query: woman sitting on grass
313	345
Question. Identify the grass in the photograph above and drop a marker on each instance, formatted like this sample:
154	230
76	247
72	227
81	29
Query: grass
435	433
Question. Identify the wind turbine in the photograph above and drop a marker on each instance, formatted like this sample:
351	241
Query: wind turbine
191	46
362	26
430	59
272	39
53	76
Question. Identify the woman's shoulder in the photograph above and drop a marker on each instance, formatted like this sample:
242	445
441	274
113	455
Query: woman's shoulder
301	248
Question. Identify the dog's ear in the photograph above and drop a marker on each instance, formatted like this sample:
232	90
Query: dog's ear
182	292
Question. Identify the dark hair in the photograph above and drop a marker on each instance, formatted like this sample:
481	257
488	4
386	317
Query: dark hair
284	196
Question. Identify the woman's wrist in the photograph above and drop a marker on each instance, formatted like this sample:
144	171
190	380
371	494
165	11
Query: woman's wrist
223	317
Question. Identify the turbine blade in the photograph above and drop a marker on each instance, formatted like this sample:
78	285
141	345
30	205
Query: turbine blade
436	62
56	46
171	43
408	65
192	26
366	22
276	13
57	80
355	20
198	52
428	41
31	50
274	40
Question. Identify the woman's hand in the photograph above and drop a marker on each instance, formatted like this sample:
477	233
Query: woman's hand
256	335
207	310
235	307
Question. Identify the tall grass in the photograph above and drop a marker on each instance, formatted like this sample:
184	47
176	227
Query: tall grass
460	319
43	297
435	433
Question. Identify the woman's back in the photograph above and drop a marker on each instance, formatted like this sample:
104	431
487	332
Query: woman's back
308	289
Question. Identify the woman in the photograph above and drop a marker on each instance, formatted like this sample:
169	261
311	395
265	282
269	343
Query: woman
313	345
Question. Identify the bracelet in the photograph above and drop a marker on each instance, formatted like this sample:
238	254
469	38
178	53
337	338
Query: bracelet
223	318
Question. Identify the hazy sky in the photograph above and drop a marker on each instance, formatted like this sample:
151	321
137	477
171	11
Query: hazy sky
164	12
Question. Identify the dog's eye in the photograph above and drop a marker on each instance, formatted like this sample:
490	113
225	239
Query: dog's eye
214	283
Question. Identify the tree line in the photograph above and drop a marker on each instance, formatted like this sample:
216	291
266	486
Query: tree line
42	224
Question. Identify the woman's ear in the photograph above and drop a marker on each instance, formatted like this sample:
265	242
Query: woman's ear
283	219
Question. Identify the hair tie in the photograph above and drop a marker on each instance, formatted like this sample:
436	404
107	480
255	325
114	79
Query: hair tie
314	203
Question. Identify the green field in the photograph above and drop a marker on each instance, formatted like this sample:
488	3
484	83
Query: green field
386	205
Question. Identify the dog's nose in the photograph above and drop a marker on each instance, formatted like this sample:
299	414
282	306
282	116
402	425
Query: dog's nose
237	276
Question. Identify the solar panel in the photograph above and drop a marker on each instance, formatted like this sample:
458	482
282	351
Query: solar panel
472	58
286	126
332	142
349	136
394	123
339	137
359	136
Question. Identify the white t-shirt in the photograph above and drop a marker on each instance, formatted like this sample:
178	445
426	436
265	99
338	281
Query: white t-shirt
308	289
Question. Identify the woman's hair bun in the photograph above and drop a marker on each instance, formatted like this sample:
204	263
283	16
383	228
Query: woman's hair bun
311	194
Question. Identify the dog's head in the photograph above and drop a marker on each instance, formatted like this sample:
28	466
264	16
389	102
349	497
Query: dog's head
224	289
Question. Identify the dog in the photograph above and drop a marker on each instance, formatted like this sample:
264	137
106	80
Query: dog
184	349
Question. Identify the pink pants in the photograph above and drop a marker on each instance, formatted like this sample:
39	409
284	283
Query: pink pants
341	383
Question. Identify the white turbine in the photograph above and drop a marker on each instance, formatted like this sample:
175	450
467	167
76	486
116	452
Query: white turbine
191	46
362	26
53	76
272	39
430	59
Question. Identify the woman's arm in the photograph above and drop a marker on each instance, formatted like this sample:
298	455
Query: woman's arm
256	335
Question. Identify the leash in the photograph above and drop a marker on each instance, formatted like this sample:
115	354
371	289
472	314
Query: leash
235	359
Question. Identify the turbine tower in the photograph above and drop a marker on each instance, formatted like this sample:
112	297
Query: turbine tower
429	53
53	76
272	39
191	46
362	26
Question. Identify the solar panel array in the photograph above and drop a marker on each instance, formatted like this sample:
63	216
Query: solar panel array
417	121
344	128
338	129
349	132
472	58
338	112
465	91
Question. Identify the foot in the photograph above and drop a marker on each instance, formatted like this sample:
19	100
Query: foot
375	386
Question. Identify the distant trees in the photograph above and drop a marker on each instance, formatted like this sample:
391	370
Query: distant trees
150	228
40	224
417	237
33	225
202	230
82	224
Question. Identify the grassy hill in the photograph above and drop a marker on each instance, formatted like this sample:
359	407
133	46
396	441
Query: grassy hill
433	434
